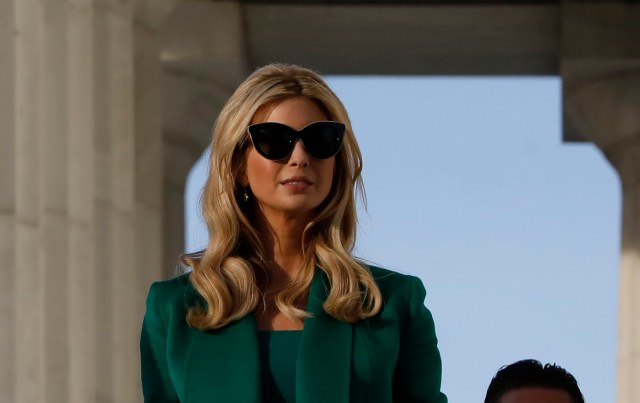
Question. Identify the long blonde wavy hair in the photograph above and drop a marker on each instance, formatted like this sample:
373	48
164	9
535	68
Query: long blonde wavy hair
225	273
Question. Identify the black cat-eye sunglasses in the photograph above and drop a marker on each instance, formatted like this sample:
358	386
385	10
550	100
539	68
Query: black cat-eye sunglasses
275	141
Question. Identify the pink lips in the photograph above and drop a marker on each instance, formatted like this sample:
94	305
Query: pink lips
297	183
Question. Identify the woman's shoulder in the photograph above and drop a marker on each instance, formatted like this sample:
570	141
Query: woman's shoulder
176	290
178	282
403	295
386	277
393	283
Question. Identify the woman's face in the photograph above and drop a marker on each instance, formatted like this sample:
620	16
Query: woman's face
294	186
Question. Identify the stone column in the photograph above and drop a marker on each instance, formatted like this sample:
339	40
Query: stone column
76	182
149	18
608	111
81	295
8	198
204	57
628	164
46	209
115	202
601	85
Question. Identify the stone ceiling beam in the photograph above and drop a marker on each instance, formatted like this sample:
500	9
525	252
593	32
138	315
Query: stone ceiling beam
415	39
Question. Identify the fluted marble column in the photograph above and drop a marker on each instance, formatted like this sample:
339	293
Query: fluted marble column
150	16
81	115
46	208
8	196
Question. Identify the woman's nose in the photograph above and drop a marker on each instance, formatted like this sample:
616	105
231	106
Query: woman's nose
299	155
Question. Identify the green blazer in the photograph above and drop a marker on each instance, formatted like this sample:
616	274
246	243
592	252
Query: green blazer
392	357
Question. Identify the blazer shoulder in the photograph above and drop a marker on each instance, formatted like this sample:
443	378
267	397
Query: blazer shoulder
391	281
173	285
174	292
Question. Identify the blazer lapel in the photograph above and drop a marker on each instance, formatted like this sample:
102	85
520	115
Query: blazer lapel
223	365
324	357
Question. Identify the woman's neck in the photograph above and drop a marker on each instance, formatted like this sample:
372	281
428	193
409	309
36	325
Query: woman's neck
282	239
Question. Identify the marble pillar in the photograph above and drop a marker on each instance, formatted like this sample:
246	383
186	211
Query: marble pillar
608	111
81	172
47	212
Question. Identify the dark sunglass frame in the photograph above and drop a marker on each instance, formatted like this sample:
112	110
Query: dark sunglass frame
275	141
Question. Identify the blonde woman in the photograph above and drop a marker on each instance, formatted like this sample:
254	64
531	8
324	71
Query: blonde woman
276	308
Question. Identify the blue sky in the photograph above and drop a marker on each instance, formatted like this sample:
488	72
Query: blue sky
514	233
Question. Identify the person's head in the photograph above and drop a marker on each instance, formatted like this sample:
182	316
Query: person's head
529	381
233	270
265	93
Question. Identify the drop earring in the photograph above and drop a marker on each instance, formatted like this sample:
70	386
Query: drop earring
245	194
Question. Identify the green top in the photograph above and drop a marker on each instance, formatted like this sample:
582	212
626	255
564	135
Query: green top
278	355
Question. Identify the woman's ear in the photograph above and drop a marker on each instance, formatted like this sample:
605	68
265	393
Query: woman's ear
241	172
243	180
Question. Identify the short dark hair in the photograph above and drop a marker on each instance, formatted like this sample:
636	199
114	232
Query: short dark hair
531	373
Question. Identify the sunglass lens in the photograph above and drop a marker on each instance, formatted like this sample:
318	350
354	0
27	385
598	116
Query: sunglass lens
323	139
271	140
